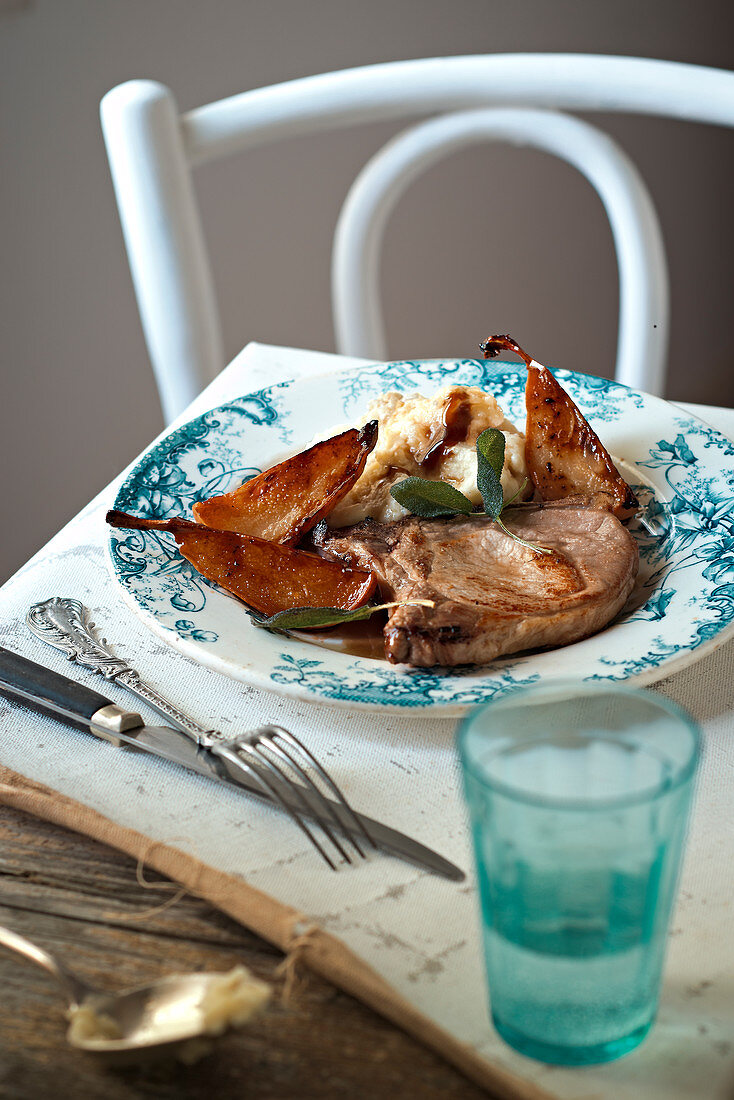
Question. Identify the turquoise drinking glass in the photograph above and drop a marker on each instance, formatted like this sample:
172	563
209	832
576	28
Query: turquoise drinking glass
578	795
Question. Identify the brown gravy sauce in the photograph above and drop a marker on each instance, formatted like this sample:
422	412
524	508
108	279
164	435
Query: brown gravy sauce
363	639
456	421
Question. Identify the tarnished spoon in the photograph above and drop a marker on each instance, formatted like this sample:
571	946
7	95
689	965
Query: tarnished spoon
169	1016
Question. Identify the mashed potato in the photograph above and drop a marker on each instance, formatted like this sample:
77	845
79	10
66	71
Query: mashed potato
409	426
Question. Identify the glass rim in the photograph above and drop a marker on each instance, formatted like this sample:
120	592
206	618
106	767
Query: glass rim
584	687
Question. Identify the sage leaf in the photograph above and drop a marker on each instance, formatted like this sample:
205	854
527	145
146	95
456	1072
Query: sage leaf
490	461
430	499
491	445
309	618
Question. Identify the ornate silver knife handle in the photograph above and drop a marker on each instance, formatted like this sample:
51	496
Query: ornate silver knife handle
65	624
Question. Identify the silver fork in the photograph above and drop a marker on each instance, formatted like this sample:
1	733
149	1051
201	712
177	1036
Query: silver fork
252	745
273	758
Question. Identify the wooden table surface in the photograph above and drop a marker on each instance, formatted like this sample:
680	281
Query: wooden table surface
83	900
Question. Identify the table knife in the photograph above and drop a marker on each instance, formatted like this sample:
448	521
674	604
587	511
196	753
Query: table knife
47	691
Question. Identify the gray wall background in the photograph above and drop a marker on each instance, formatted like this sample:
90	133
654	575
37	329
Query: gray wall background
492	240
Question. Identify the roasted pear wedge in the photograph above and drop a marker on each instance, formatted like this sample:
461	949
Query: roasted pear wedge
283	503
563	453
267	577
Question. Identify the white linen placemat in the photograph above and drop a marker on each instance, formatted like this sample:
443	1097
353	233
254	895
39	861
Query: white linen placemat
418	931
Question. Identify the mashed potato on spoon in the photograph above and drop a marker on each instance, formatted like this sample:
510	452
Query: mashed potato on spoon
415	440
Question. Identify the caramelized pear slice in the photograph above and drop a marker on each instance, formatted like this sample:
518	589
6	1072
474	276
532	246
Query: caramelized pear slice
283	503
563	453
267	577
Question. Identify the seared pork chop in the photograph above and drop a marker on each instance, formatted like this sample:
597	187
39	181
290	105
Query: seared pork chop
493	595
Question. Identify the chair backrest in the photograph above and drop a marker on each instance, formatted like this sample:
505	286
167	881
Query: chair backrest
152	150
643	281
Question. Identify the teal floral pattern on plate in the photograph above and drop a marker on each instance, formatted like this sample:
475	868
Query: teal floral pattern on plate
682	606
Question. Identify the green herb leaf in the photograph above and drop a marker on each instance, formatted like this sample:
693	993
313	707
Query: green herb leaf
490	461
430	499
309	618
491	446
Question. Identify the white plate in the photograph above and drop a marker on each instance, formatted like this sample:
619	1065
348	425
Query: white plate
683	605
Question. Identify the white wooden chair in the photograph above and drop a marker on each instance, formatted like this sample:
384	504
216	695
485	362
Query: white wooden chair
152	150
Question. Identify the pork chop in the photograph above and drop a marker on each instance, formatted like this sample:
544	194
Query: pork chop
492	595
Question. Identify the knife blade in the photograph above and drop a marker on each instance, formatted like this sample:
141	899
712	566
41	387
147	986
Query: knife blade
51	693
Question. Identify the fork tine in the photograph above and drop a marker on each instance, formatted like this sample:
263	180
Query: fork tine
291	739
269	741
251	743
224	750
